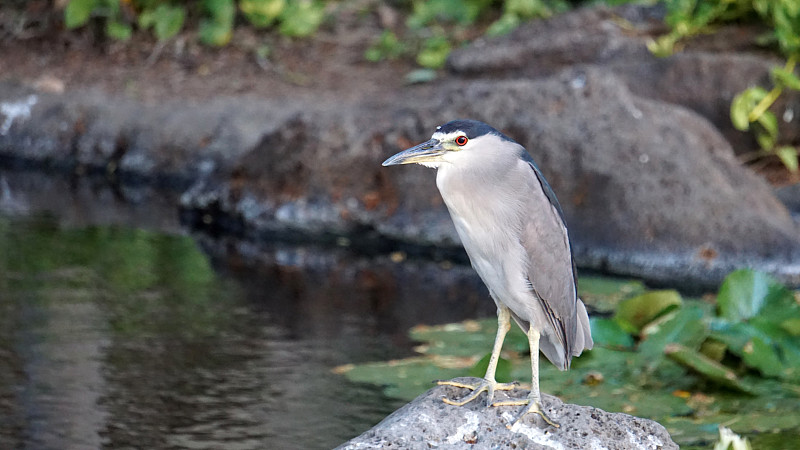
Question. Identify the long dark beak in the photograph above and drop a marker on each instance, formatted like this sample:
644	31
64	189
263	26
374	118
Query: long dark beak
429	151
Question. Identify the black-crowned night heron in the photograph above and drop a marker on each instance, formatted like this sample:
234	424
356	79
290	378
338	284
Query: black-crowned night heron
513	230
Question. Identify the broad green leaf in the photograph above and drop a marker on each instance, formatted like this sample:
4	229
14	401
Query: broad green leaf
740	110
684	326
507	23
262	13
466	339
788	156
706	367
786	78
434	52
791	326
119	31
743	294
215	34
603	294
768	134
220	11
405	379
713	349
526	9
301	18
762	356
387	46
609	333
762	345
502	373
743	104
634	313
77	12
169	21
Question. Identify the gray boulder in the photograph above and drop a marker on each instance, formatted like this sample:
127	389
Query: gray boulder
650	188
427	422
697	77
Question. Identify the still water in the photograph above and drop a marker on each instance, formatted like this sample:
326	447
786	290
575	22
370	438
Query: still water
114	337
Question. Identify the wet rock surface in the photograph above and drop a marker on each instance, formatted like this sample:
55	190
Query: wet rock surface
427	422
635	147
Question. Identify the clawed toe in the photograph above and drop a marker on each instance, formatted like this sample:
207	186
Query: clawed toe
488	386
532	407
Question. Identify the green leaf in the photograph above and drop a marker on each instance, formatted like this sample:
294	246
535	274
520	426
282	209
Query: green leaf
713	349
791	326
634	313
387	46
604	294
743	104
262	13
684	326
119	31
77	12
169	21
768	134
706	367
762	356
434	52
609	333
784	77
301	18
788	156
502	373
214	33
744	292
220	11
740	110
507	23
762	345
404	379
527	9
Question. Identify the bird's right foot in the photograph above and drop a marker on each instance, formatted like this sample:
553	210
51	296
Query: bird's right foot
489	386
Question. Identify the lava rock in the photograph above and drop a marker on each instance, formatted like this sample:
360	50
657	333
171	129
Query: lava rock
696	77
427	422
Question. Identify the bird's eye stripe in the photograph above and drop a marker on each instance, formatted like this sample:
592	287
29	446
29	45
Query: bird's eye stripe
461	140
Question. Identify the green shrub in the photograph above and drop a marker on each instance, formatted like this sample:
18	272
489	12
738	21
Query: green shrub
749	109
295	18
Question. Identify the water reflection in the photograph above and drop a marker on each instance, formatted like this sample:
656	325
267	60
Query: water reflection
123	338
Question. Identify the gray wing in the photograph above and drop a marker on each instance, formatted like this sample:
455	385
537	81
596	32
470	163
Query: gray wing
551	270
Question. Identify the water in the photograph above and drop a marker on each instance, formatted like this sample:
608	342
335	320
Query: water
115	337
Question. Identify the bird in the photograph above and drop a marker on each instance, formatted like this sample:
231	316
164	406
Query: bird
514	232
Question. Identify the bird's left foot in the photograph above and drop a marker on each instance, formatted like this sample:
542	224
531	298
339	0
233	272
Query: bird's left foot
532	405
489	386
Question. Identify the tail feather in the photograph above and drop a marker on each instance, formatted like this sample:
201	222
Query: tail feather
583	333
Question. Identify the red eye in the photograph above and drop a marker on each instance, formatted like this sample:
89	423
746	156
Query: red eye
461	141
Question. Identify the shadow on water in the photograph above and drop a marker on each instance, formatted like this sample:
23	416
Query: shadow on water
119	337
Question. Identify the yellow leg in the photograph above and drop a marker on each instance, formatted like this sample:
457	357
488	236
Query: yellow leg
488	384
532	403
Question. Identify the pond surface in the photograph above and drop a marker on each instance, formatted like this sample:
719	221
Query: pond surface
112	337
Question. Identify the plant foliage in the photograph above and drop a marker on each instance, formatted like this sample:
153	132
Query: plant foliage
167	18
750	108
686	363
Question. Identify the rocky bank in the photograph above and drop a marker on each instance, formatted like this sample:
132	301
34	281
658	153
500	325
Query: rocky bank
638	149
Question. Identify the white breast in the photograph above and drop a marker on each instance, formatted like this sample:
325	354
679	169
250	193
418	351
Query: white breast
485	205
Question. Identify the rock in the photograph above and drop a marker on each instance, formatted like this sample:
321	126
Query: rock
616	39
427	422
650	188
639	180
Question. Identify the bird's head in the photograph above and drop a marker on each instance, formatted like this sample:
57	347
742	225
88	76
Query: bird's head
450	143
